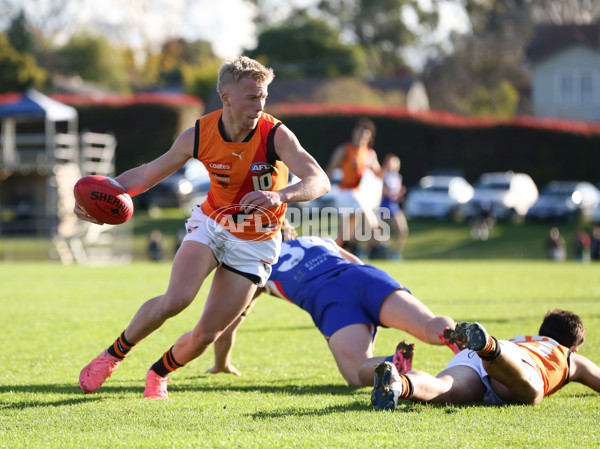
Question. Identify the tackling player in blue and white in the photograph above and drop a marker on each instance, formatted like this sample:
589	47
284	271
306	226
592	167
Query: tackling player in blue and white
347	301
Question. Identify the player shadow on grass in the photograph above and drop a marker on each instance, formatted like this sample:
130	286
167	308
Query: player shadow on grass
355	406
108	392
294	389
364	405
40	391
116	393
76	395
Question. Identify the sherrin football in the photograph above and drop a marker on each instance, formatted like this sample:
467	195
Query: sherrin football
104	199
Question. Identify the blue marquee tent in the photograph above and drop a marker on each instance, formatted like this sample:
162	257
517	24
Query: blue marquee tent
33	106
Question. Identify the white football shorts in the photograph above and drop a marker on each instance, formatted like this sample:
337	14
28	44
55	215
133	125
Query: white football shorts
470	358
245	256
350	199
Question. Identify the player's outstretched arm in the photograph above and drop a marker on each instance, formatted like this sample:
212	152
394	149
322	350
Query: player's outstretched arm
584	371
140	179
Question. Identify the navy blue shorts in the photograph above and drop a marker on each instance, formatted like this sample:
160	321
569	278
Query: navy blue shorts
352	296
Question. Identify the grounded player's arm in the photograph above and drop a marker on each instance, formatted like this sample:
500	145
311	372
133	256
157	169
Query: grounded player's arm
350	257
584	371
140	179
313	180
224	344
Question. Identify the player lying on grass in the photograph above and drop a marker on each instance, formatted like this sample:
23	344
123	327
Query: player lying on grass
521	370
347	302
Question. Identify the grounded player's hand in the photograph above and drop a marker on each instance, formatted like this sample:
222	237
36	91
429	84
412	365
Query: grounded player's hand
83	215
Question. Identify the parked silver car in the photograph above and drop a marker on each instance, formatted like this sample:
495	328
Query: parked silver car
565	200
438	197
503	195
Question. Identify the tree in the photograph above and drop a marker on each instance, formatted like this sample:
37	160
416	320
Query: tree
45	18
201	80
192	65
485	69
501	101
382	28
573	11
352	90
94	59
482	13
18	71
305	46
19	34
477	68
484	65
178	56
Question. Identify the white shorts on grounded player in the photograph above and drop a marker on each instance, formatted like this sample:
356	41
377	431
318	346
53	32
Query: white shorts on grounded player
470	358
246	256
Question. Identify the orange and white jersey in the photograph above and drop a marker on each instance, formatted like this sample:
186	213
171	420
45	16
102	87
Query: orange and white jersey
237	168
353	167
551	359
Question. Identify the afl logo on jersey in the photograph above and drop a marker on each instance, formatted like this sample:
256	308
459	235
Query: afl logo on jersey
260	167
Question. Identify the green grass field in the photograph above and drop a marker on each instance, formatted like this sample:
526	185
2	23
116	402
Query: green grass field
55	319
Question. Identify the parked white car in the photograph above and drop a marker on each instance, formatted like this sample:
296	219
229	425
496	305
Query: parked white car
503	195
438	197
369	194
565	200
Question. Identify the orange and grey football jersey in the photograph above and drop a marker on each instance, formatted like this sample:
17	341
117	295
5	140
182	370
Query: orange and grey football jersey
354	165
237	168
551	358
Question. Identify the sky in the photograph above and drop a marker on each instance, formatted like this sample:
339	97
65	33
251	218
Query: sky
227	24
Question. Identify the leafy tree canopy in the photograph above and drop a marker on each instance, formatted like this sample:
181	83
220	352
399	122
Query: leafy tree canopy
305	46
18	71
94	59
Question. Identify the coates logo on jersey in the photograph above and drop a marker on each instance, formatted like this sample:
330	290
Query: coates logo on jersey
219	165
236	220
260	167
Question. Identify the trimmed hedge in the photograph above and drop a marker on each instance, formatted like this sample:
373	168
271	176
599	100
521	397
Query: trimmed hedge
144	128
545	149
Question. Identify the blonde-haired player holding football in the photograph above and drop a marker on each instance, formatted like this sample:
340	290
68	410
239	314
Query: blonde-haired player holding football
234	233
521	370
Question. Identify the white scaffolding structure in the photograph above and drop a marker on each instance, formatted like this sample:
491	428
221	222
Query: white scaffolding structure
39	167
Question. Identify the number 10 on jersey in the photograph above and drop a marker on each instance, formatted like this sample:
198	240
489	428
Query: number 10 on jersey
262	182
